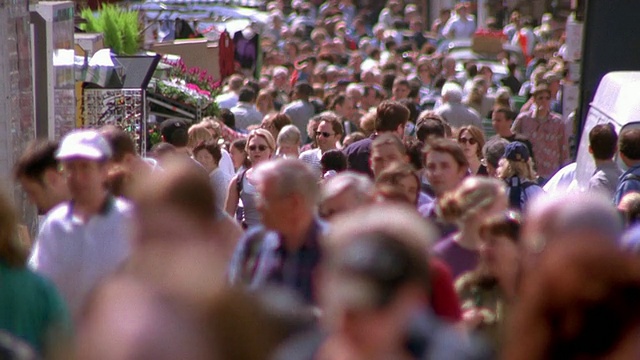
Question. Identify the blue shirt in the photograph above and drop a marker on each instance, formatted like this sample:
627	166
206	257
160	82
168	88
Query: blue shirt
261	259
627	183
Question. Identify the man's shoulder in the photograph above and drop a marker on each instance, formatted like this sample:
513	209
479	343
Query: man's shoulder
358	146
309	154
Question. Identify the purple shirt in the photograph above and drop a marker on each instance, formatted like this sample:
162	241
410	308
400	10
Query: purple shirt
459	259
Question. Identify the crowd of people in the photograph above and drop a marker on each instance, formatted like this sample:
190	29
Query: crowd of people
363	199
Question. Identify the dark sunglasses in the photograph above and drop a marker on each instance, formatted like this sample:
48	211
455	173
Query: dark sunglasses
325	134
471	141
259	148
543	98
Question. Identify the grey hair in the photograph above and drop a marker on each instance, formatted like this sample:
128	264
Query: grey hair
359	184
493	151
291	176
452	92
289	134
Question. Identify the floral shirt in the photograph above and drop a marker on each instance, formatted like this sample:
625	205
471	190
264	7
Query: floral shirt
549	140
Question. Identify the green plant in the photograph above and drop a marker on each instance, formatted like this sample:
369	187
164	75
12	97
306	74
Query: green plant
120	27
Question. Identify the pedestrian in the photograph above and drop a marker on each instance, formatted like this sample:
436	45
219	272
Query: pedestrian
516	169
471	140
603	143
328	136
629	150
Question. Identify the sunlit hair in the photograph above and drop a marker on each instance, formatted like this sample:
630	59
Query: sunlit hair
12	251
474	195
264	134
198	134
521	169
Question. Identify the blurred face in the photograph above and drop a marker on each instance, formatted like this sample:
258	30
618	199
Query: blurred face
443	172
271	205
346	109
410	187
279	80
237	156
468	144
289	150
384	155
206	160
44	194
85	178
500	254
501	124
259	150
543	100
340	203
400	92
325	137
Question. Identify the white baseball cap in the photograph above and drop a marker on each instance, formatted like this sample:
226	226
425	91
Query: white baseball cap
85	144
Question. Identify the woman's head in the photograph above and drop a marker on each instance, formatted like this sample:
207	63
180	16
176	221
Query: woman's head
264	102
238	153
516	162
289	141
198	133
260	146
475	196
471	139
403	178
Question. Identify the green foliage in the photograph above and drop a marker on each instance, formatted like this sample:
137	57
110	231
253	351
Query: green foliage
121	28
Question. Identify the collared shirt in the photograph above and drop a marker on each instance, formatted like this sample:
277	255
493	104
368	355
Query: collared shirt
246	115
629	182
605	178
549	140
313	157
273	264
77	255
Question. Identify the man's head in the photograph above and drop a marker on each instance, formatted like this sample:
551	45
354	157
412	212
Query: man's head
235	82
343	193
121	144
287	192
451	93
37	170
386	149
303	90
629	146
401	89
247	95
391	116
445	165
343	106
84	155
501	120
329	131
492	151
175	132
603	142
542	95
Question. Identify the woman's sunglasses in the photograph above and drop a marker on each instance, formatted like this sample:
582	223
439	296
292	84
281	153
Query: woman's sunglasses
471	141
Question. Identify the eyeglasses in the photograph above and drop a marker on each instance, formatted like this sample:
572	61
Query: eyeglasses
471	141
258	147
543	98
325	134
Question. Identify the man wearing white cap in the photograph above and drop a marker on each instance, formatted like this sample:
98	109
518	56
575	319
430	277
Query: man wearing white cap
85	239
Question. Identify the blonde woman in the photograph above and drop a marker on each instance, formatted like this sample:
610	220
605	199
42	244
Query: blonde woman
516	169
467	206
261	147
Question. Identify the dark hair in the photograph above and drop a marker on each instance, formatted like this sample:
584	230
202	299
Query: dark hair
211	147
430	127
120	142
333	160
414	151
332	119
396	172
241	144
385	263
414	111
507	224
390	115
280	120
508	113
476	133
603	140
246	95
450	147
629	143
303	89
37	158
388	78
336	100
175	132
228	118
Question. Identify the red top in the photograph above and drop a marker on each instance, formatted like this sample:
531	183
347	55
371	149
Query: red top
444	300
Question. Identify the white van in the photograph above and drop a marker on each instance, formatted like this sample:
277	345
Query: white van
617	101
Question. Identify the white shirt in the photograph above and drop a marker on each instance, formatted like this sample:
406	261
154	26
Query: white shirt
76	256
226	164
246	115
227	101
458	28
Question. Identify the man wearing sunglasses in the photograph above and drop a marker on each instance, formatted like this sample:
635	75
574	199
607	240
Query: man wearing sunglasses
546	131
328	134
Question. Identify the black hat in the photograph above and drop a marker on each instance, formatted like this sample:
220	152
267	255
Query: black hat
174	131
516	151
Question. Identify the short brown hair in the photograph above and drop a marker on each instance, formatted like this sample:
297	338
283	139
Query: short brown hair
390	115
120	142
389	139
629	143
450	147
603	140
211	147
477	135
332	119
36	159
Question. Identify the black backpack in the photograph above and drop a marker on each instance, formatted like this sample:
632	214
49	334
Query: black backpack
516	190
